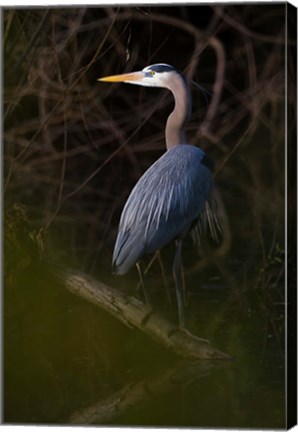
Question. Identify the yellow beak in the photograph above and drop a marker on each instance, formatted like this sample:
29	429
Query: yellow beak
133	76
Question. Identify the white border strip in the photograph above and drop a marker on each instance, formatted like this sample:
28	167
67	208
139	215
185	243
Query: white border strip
98	3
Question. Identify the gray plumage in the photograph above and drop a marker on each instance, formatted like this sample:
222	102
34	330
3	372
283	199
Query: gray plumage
172	196
164	203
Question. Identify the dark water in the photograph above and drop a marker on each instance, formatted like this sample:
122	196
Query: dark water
63	356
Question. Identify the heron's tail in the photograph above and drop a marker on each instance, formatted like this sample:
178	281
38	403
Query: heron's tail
127	252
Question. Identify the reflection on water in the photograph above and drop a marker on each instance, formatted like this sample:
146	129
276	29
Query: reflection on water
65	359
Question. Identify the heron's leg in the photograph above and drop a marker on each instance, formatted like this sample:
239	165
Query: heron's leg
144	272
179	283
150	264
164	276
185	300
141	276
156	255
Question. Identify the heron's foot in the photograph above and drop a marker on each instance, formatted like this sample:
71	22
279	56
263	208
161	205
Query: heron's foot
143	295
188	333
146	317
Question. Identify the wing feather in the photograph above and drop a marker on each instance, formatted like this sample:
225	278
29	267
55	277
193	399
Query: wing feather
163	204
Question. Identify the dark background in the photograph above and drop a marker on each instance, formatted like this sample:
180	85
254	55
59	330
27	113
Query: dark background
74	148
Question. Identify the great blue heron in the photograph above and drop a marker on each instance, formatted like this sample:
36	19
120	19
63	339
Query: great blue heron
171	197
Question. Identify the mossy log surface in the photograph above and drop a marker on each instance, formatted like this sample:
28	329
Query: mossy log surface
136	314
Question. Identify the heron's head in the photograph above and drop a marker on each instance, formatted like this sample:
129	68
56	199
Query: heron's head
157	75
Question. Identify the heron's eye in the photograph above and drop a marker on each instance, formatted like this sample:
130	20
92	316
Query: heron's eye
152	73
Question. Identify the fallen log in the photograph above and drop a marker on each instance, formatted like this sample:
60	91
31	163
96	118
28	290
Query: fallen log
136	314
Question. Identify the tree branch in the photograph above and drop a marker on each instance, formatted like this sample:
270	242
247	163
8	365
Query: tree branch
134	313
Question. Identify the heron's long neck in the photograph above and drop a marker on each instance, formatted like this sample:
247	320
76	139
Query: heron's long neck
175	127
